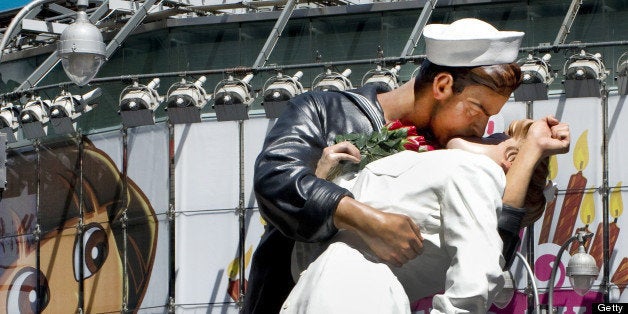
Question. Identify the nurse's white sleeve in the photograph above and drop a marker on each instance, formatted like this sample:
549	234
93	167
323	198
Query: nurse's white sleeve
470	201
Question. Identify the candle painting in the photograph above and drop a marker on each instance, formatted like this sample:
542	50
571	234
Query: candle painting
615	207
574	192
548	216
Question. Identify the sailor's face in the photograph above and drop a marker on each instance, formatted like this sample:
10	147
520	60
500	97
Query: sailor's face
467	113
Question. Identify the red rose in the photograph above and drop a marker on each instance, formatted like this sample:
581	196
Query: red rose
406	130
413	143
393	125
411	130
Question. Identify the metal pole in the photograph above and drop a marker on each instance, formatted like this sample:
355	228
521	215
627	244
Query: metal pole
540	48
556	48
567	22
79	228
605	196
530	238
535	291
241	217
124	219
530	261
130	25
264	54
37	232
415	35
171	222
224	70
15	22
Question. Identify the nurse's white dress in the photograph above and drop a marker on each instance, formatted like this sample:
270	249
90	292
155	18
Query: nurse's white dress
455	198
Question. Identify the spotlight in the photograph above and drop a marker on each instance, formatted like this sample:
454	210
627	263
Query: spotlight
232	98
332	81
138	103
186	100
582	271
386	79
278	90
67	107
8	121
584	74
622	74
33	118
537	76
81	48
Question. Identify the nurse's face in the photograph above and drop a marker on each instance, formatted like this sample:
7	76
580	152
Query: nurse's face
499	147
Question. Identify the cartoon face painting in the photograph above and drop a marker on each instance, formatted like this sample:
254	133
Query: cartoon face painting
114	214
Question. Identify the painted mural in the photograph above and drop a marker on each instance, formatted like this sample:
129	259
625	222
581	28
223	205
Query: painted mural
47	199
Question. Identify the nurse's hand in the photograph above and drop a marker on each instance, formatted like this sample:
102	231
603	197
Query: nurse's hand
547	136
333	155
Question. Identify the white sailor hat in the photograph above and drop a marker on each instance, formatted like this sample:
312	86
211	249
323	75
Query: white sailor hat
470	42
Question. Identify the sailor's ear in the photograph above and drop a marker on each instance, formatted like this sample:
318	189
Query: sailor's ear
442	86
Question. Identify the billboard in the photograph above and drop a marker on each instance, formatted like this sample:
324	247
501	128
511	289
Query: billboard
148	234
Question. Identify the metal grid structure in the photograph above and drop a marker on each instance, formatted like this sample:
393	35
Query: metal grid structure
117	19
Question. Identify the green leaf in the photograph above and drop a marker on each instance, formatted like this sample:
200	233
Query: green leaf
360	142
383	136
377	150
375	137
392	143
340	138
400	133
353	136
364	162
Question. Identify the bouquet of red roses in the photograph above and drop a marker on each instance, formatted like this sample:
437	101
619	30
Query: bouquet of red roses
390	139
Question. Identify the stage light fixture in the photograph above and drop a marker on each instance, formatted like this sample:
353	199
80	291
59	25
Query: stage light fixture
332	81
81	48
186	100
387	79
622	74
582	271
34	117
66	108
8	121
584	74
278	90
138	103
537	76
232	98
581	268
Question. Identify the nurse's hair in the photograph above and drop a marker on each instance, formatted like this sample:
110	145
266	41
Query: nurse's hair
535	198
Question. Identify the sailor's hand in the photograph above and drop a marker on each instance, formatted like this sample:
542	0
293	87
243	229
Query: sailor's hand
394	238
